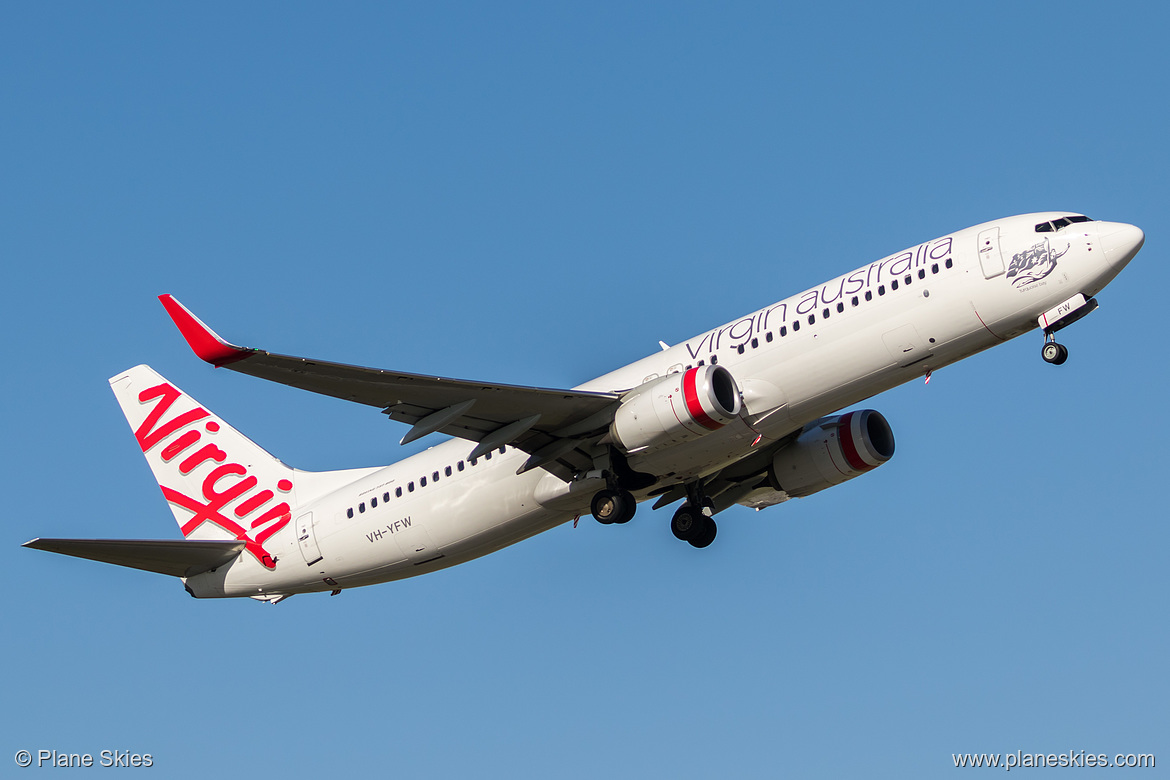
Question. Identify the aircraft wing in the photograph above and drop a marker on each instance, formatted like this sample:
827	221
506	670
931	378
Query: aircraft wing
556	427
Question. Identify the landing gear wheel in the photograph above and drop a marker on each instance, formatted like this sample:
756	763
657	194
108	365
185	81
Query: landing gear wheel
629	507
706	535
613	506
687	522
1054	353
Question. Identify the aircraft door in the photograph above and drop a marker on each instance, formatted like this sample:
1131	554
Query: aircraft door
990	256
307	540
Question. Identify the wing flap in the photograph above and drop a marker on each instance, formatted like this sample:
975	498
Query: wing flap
164	556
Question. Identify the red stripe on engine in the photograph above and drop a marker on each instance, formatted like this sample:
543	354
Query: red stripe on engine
694	407
848	445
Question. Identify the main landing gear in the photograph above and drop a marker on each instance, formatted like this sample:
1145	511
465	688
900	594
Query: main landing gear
613	506
1052	352
694	526
692	522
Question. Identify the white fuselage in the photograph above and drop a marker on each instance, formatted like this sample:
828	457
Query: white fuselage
888	322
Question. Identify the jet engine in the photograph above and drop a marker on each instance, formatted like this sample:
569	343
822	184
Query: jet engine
676	408
832	450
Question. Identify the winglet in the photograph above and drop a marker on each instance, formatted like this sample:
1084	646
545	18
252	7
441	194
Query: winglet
206	344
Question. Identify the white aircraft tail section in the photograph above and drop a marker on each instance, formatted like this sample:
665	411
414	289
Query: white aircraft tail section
219	483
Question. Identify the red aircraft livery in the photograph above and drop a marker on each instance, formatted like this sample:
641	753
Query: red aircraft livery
216	497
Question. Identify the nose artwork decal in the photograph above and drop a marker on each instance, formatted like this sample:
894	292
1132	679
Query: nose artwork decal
1034	263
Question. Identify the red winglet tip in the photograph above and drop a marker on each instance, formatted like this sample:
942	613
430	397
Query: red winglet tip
204	342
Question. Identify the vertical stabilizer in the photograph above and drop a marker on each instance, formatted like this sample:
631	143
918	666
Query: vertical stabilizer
219	483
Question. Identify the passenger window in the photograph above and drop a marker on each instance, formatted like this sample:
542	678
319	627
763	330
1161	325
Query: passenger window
422	481
349	512
409	487
908	279
893	286
881	289
783	331
714	359
473	461
840	307
739	349
795	325
501	450
768	337
361	507
755	343
921	273
934	268
386	497
950	262
488	456
825	314
459	465
812	318
700	362
373	502
398	492
447	471
869	295
854	300
435	477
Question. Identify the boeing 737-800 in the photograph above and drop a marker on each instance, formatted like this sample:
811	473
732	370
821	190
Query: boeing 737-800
748	413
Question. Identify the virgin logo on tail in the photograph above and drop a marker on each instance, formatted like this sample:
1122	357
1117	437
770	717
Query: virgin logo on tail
218	490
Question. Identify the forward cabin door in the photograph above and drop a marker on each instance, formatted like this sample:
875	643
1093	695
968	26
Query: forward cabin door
990	257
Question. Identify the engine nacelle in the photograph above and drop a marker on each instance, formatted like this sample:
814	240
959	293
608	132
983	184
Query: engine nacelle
832	450
676	408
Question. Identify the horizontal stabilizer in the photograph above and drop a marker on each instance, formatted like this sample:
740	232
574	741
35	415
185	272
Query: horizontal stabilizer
176	558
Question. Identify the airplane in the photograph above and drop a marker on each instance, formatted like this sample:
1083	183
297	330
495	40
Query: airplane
749	413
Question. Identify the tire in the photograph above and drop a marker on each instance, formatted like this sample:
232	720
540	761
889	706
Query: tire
706	536
687	521
627	509
1051	352
1063	356
605	506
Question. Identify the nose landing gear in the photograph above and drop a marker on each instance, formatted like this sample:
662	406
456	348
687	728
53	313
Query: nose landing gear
1052	352
1058	318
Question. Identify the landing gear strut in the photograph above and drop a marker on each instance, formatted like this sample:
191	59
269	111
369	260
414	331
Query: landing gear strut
1052	352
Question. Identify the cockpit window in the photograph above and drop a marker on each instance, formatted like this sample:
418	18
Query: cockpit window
1062	222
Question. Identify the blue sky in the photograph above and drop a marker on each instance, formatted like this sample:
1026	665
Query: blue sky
538	193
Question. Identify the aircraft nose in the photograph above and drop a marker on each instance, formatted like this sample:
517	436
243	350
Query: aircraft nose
1120	242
